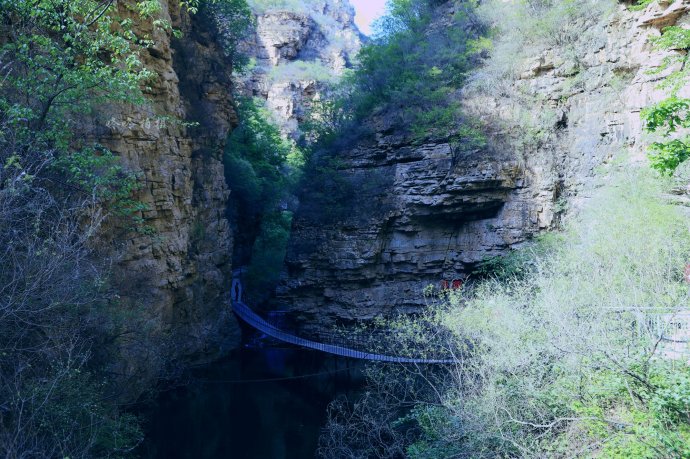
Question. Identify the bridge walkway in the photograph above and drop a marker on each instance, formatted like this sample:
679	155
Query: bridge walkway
250	317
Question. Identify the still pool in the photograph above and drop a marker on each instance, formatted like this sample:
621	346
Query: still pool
257	403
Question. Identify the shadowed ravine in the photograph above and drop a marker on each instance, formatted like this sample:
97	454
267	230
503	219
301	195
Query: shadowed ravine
270	400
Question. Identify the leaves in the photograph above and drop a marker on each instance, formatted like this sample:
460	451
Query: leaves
668	115
261	166
665	157
672	113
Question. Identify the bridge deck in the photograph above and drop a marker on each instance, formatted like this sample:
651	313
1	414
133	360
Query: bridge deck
249	316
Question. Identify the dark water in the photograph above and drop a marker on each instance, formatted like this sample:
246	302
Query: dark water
259	403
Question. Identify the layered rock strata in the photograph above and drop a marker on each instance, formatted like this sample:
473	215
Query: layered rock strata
294	51
434	214
175	268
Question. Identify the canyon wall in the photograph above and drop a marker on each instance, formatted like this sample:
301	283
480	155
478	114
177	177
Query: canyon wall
174	268
424	214
294	51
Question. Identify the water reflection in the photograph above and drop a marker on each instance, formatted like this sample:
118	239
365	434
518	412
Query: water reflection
259	403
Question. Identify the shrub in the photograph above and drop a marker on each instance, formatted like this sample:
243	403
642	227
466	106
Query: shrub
233	19
516	263
411	72
261	168
268	254
413	68
260	164
672	113
526	28
522	32
560	363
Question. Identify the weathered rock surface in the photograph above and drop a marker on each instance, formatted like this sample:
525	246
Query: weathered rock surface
433	214
294	51
176	272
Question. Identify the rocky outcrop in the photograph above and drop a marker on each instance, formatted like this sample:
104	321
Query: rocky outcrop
434	213
294	51
418	215
176	267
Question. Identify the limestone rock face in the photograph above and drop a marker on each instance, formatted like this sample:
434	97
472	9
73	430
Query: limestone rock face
176	270
432	214
294	51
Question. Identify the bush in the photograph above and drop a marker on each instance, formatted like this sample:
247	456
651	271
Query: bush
268	254
410	73
672	113
260	164
414	69
261	168
571	322
517	263
561	363
521	33
526	28
233	19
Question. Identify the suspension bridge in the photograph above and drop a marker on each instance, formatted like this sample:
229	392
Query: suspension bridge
245	313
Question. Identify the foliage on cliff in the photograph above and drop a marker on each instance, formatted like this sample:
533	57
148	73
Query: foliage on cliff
522	35
59	60
564	362
412	70
672	113
261	167
408	77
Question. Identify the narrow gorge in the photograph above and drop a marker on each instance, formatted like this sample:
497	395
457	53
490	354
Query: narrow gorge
211	209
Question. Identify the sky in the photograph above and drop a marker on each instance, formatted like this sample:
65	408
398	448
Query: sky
367	11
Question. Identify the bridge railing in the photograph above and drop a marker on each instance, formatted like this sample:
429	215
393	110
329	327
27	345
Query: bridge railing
256	321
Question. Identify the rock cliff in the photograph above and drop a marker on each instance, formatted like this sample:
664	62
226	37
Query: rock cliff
175	269
433	214
294	49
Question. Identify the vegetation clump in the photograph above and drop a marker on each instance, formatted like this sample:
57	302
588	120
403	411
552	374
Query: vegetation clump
262	168
525	38
565	362
413	71
665	118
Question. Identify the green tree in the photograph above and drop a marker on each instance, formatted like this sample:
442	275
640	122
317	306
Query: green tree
260	163
673	112
261	167
414	70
